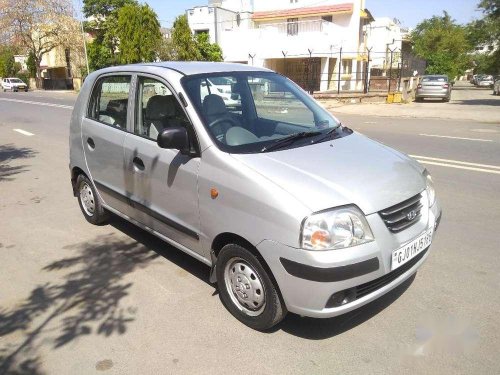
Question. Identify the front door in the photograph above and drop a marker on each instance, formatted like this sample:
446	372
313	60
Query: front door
162	184
103	134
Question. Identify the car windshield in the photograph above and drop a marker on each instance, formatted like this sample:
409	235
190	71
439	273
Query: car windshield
257	110
15	80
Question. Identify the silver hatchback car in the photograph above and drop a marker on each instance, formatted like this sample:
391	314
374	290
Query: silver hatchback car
290	209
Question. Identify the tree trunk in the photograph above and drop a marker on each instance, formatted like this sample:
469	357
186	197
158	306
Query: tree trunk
38	77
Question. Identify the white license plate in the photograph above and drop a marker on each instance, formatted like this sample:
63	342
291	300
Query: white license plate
411	249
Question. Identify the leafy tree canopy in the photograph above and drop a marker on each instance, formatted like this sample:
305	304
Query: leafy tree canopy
138	32
183	40
188	47
443	44
103	8
208	51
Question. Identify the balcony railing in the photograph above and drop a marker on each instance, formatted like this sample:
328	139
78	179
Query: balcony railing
293	28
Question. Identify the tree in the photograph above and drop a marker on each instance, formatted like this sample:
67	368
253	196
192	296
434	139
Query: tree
30	63
138	32
486	31
7	65
208	51
444	45
36	25
103	50
183	40
185	46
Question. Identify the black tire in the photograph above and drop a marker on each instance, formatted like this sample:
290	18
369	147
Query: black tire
99	216
273	309
419	100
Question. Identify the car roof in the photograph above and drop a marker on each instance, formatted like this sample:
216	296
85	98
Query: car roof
195	67
436	75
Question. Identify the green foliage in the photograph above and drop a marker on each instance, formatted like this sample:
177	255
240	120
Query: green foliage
7	65
104	8
444	45
486	31
208	51
99	56
187	47
138	32
31	64
183	41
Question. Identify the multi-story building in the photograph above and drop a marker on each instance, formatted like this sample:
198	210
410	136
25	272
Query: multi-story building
321	47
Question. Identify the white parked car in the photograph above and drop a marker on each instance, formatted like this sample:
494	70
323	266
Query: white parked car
14	84
222	87
485	81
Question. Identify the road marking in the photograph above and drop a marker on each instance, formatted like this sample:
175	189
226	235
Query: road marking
463	138
370	122
24	132
38	103
458	167
455	162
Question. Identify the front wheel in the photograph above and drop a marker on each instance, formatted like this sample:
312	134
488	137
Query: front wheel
246	289
89	202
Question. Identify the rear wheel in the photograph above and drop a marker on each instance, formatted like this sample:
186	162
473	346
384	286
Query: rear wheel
89	202
247	290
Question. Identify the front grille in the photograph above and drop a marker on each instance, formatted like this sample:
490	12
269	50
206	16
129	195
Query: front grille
402	215
371	286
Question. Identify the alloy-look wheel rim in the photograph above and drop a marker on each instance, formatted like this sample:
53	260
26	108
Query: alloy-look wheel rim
245	287
87	198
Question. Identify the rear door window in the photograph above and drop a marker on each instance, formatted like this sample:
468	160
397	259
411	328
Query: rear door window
109	101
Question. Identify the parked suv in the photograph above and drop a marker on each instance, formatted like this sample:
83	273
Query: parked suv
14	84
290	209
433	86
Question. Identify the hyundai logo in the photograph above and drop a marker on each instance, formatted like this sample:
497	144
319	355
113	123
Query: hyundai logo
411	215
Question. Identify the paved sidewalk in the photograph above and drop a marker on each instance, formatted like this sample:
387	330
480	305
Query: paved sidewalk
467	103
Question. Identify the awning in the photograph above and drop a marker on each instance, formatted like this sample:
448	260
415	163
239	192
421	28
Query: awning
303	12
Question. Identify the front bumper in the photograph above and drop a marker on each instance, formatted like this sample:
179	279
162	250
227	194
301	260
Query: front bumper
308	279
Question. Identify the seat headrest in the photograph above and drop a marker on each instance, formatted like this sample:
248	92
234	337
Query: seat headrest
214	105
160	107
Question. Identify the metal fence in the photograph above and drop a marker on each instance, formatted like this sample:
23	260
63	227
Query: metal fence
344	71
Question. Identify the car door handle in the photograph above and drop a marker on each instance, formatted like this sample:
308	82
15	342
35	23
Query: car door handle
91	143
138	164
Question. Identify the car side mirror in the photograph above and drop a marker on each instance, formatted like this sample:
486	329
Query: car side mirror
174	138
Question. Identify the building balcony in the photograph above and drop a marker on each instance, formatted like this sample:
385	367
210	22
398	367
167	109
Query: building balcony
298	28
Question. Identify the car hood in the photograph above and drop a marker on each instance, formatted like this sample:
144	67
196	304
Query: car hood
349	170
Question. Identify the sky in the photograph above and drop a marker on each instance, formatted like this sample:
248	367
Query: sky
409	12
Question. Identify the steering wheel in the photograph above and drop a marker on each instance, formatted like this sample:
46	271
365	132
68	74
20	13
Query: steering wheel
221	133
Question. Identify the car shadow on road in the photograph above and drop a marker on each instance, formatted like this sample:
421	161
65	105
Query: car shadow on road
320	329
9	153
492	102
85	297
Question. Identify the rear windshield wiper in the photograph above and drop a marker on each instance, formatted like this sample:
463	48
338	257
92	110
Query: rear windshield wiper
282	142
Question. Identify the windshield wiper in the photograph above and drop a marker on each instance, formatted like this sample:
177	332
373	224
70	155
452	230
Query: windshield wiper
330	134
282	142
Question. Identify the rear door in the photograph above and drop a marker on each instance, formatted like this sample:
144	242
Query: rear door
162	183
103	132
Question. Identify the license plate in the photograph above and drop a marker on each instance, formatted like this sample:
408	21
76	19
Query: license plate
411	249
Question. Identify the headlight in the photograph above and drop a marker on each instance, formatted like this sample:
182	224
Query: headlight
335	229
431	193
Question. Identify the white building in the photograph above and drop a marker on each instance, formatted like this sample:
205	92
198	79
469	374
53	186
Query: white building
313	44
383	36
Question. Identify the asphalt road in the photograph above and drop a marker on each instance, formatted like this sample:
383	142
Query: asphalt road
80	299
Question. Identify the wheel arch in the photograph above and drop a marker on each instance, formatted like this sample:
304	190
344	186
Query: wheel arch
75	172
